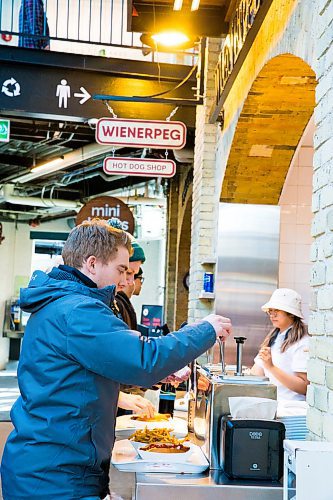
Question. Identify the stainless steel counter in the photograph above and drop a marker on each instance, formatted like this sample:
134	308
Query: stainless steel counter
210	486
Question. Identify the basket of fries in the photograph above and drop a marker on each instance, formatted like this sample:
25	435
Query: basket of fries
157	435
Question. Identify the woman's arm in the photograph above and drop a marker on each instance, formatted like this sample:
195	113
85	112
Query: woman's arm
296	382
257	370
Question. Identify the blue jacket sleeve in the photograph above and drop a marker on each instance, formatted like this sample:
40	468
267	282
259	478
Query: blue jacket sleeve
102	343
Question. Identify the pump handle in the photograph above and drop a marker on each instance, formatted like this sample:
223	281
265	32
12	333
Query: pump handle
240	340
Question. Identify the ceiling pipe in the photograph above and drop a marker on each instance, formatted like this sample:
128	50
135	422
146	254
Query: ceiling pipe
18	212
69	159
73	180
140	200
7	196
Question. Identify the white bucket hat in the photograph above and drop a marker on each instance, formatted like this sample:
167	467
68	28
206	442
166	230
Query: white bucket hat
286	300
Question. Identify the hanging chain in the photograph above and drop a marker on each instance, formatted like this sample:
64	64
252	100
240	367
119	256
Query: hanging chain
110	109
173	112
113	150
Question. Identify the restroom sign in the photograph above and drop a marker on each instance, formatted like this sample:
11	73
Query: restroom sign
145	167
141	133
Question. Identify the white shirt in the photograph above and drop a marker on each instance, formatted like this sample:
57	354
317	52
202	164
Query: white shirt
294	359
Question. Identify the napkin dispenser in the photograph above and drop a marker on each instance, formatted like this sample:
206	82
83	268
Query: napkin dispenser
212	395
252	449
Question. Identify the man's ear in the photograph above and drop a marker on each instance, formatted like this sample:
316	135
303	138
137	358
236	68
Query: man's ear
90	264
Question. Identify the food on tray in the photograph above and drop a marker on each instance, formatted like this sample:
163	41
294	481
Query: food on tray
154	436
165	448
158	417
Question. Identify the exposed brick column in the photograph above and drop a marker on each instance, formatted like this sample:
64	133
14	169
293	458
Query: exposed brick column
183	264
206	189
171	252
320	373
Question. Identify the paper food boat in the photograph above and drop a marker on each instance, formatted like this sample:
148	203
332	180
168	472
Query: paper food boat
153	456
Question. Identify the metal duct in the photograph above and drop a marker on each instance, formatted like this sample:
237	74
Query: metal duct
7	196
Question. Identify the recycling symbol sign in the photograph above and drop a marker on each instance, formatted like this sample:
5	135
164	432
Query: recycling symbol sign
11	87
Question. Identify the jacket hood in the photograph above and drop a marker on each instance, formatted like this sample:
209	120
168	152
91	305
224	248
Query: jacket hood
42	290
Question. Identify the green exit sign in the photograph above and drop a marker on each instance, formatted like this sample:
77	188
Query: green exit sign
4	130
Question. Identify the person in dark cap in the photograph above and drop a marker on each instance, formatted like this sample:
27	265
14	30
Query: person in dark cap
125	291
138	253
138	280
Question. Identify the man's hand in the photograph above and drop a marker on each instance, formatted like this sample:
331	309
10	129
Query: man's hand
176	378
221	325
136	403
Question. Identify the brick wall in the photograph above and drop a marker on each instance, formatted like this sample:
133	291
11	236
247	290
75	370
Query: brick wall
171	252
320	394
205	190
303	28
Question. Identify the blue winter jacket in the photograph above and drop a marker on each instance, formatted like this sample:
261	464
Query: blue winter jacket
75	353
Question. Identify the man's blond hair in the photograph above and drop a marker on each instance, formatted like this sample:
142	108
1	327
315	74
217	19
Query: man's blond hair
96	238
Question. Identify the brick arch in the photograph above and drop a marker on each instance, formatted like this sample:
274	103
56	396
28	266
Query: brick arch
274	116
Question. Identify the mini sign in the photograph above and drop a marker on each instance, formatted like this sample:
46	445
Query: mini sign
107	207
4	130
141	133
145	167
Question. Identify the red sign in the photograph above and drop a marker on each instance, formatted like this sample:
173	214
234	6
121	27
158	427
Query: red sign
6	37
141	133
107	207
145	167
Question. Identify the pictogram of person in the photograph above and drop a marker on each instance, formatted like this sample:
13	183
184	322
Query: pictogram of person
64	93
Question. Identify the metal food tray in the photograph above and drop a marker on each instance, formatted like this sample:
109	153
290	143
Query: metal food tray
126	459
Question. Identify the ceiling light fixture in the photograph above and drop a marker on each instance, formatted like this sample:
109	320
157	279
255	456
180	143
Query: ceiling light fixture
178	4
40	170
195	5
79	155
165	40
47	166
170	38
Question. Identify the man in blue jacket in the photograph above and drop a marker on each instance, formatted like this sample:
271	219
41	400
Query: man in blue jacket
74	355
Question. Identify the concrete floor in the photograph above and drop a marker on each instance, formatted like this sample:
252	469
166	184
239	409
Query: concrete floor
121	484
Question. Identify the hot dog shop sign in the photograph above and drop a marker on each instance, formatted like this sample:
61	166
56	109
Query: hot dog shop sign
145	134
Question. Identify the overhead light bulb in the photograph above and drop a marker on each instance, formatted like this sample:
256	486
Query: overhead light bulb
178	5
195	5
170	38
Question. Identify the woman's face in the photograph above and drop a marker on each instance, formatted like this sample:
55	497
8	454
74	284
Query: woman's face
280	319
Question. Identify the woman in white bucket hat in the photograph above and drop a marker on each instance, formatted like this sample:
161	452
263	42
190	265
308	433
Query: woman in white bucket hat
284	353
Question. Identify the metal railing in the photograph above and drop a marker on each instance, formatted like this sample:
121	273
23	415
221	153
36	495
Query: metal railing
95	27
